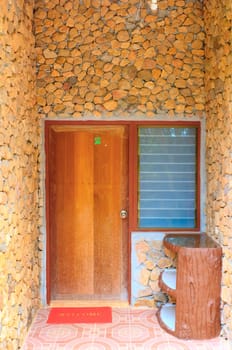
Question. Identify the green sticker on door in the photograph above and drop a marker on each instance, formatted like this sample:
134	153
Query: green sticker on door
97	140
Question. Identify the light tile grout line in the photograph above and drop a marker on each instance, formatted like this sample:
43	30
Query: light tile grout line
130	329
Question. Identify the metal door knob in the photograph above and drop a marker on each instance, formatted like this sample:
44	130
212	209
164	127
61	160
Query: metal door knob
123	214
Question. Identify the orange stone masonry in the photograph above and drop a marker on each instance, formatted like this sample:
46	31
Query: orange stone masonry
19	215
150	260
107	59
218	87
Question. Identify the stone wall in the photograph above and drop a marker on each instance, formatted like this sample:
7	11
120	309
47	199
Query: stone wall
101	58
148	259
218	86
19	264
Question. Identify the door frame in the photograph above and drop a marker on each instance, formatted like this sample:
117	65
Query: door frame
132	181
131	177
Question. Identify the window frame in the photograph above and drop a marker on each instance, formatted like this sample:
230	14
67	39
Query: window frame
134	175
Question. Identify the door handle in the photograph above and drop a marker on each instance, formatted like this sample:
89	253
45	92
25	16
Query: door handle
123	214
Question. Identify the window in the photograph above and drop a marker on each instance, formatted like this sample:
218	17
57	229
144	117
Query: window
167	185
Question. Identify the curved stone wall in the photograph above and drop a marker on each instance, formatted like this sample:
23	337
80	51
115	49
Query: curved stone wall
218	87
19	254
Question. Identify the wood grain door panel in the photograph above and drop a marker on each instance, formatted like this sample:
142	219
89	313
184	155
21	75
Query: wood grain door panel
88	188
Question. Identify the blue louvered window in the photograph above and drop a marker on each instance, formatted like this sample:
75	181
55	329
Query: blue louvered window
167	177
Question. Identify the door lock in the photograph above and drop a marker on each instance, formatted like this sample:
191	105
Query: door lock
123	214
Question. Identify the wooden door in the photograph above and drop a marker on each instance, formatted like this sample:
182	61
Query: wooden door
88	188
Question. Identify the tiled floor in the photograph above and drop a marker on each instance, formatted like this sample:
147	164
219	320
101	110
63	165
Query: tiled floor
131	329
